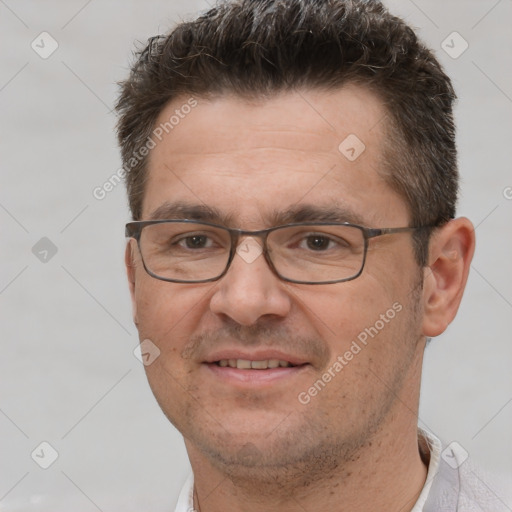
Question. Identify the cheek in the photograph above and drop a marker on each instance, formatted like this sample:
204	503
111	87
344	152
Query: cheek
168	315
166	312
341	312
366	324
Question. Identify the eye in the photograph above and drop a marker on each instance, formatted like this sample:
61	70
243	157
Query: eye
195	241
320	242
317	242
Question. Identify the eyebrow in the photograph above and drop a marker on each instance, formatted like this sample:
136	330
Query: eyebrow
317	213
294	214
183	210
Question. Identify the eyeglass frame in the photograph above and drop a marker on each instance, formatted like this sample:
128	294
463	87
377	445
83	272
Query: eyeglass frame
134	230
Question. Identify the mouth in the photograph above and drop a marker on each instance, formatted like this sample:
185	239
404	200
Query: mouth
254	370
247	364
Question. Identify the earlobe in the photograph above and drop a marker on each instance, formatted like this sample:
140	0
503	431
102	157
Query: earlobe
450	253
129	259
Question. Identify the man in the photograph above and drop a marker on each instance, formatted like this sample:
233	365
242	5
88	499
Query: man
291	171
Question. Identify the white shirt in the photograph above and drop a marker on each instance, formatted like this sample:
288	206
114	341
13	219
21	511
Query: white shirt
452	484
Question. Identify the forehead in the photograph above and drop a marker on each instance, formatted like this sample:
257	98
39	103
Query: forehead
253	157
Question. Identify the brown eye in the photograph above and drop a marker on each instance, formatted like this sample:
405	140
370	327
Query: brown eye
318	242
196	242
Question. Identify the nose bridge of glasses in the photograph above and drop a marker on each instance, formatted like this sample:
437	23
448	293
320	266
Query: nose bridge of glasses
240	237
249	245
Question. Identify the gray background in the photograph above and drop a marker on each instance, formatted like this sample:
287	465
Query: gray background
69	376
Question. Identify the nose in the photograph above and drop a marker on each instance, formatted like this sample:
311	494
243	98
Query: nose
250	290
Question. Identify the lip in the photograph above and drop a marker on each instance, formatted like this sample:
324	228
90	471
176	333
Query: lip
253	378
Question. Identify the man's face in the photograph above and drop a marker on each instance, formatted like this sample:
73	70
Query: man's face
252	162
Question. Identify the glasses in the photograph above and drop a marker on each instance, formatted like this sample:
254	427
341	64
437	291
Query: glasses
186	251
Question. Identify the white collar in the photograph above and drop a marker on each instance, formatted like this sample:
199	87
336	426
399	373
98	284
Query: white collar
433	444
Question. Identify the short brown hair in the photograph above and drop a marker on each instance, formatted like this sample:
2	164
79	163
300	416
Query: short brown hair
256	48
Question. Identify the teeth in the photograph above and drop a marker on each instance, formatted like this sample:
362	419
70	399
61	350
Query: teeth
246	364
259	365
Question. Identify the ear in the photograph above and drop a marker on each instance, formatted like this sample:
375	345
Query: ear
450	253
129	260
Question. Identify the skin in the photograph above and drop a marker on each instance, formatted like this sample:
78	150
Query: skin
256	447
